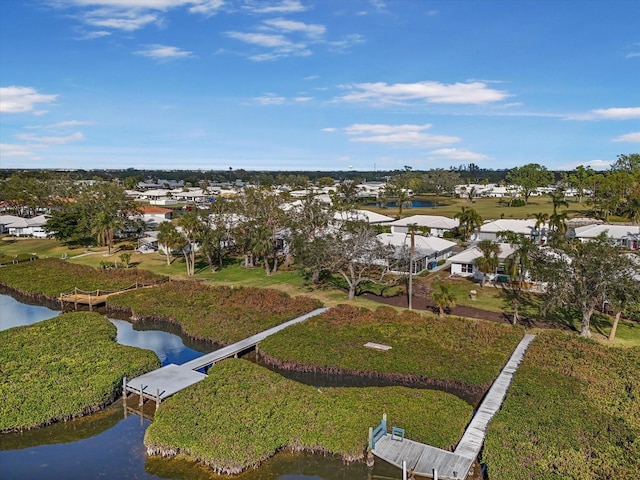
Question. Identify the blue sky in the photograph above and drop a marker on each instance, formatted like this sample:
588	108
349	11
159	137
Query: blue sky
318	85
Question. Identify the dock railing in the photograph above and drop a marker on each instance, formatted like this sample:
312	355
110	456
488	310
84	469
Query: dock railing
377	433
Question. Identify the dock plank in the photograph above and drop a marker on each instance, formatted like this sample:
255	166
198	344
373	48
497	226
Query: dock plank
423	459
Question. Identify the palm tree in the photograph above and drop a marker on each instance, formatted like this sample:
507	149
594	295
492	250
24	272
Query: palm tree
558	223
488	262
170	238
558	200
192	229
469	220
443	297
541	219
103	227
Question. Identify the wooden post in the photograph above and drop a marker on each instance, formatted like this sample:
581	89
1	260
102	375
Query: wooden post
157	398
384	423
141	401
90	306
124	388
435	474
404	470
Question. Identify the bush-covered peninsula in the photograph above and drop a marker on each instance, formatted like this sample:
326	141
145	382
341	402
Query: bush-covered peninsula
244	413
221	314
62	368
50	277
572	412
451	352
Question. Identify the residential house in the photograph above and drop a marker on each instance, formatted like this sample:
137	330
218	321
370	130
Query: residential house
362	215
433	225
427	250
490	230
626	236
153	215
463	263
24	227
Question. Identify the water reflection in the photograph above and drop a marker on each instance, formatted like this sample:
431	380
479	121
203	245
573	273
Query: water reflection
14	313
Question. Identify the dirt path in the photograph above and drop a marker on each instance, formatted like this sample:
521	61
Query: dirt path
423	303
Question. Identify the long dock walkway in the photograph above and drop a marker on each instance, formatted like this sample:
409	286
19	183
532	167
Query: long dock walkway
170	379
423	459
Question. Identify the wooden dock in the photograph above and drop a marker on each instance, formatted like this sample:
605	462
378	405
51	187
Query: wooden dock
423	459
170	379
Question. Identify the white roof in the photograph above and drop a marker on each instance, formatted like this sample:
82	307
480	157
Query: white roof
422	244
612	231
12	221
363	215
470	254
431	221
517	226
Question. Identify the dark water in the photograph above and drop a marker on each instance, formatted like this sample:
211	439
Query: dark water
109	444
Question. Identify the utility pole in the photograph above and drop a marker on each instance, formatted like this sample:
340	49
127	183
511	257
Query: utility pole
411	251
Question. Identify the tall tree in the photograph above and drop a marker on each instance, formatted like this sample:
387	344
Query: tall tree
624	290
577	275
488	262
529	177
192	229
170	237
579	180
469	221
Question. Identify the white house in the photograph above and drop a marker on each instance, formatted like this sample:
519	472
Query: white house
23	227
490	230
435	225
362	215
153	215
427	250
627	236
463	263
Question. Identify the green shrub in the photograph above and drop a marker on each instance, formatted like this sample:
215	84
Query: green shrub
242	414
63	367
572	411
518	202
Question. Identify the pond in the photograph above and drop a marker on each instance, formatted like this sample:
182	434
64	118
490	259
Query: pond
109	444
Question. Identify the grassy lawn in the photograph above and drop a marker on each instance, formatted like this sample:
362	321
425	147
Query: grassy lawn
244	414
62	368
488	208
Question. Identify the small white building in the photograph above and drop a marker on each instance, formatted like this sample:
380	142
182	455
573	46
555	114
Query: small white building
153	215
463	263
626	236
427	250
362	215
24	227
527	227
433	225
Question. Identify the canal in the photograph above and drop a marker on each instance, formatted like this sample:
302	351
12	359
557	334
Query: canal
109	444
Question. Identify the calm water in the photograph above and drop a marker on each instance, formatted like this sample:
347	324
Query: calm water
109	444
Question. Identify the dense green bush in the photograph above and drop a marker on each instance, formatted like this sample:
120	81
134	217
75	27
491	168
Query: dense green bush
242	414
51	277
518	202
63	367
221	314
572	412
452	350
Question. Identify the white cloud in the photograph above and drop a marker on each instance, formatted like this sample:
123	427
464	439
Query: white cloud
279	44
595	164
459	154
633	50
302	99
427	91
269	99
285	6
633	137
330	129
94	34
15	150
65	124
131	15
163	52
398	135
52	140
615	113
310	30
15	99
